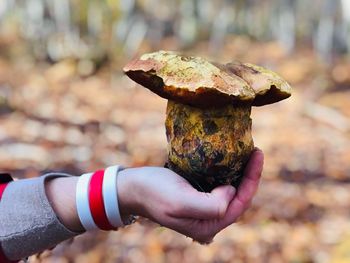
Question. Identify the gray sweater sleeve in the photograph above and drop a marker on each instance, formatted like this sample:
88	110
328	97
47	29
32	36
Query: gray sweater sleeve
28	224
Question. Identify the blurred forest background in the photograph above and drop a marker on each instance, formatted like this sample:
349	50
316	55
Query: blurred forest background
66	106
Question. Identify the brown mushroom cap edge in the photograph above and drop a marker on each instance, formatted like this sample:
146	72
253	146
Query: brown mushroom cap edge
197	82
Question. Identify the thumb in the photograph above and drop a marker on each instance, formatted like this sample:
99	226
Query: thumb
224	195
213	205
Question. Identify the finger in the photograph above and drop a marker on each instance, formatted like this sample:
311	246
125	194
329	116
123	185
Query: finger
246	190
251	177
199	205
202	231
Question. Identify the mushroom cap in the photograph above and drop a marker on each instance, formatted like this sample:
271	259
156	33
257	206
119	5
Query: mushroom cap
198	82
268	86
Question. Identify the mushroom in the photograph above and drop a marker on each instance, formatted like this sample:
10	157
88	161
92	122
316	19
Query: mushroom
208	124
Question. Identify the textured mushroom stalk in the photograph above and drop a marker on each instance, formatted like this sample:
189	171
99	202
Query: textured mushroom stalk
209	147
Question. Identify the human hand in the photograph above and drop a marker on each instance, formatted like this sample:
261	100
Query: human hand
168	199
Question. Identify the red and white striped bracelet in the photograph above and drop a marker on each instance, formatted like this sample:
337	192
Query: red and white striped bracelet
97	200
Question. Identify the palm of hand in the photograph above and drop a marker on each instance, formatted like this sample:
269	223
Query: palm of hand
168	199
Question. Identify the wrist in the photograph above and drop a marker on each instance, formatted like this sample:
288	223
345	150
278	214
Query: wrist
61	195
128	192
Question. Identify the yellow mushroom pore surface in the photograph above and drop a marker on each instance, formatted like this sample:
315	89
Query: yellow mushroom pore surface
209	147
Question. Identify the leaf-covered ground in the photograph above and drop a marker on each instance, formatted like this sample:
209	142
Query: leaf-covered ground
53	117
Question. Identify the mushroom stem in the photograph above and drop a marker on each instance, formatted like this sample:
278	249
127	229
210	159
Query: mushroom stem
209	147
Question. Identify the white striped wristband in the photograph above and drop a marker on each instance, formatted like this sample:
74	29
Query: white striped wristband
110	196
82	202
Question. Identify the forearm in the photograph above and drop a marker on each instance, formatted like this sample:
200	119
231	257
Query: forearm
28	224
36	214
61	195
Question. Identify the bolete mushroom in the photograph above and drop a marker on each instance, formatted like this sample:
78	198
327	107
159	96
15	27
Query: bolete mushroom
208	124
